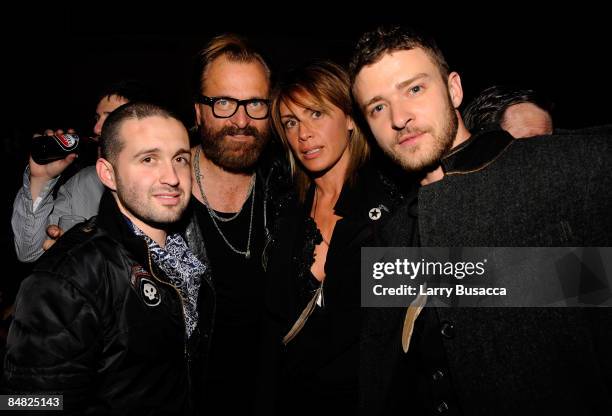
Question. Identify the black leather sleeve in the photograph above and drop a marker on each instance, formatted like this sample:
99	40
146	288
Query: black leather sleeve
53	340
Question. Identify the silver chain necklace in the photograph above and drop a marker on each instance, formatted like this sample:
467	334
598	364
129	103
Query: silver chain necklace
205	200
214	216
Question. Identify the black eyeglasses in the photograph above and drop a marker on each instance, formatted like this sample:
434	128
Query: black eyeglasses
225	107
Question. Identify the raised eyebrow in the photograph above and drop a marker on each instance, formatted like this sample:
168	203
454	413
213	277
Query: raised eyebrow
157	150
182	152
145	152
372	101
398	86
304	110
225	97
409	81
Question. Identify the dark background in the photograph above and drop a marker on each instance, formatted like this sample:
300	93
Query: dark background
56	60
55	65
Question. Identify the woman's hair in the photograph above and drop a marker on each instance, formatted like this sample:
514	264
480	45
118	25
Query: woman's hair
318	85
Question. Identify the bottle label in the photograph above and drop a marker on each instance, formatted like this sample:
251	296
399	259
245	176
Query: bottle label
67	141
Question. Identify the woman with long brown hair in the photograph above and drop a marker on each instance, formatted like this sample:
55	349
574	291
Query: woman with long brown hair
314	261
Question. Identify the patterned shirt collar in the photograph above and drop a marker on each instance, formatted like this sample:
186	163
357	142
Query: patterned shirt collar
182	268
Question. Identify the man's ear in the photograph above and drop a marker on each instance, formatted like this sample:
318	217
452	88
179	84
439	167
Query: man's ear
198	114
455	89
106	173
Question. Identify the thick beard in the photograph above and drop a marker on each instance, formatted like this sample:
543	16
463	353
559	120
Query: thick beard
441	145
233	157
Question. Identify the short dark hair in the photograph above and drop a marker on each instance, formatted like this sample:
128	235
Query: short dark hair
387	39
129	89
111	142
488	108
230	45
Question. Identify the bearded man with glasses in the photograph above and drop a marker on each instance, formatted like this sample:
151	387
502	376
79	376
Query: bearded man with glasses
237	192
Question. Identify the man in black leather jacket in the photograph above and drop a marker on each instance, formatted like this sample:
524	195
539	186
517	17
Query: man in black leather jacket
108	318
